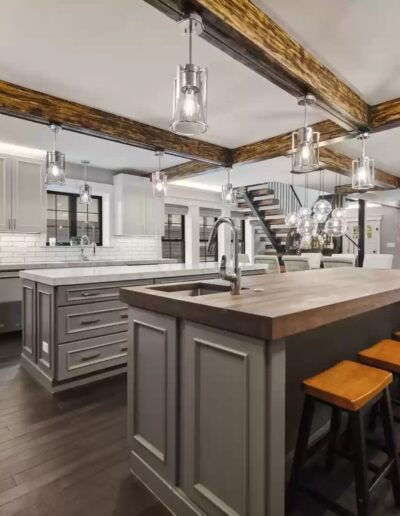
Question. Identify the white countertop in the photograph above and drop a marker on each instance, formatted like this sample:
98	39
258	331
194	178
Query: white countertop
76	276
4	267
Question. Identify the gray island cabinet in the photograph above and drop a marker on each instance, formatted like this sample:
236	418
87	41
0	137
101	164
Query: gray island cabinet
214	396
75	326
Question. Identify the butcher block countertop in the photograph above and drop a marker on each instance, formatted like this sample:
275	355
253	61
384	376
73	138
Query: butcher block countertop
289	303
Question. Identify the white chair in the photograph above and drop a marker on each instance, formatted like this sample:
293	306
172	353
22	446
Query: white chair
296	263
378	261
339	260
272	262
314	259
244	258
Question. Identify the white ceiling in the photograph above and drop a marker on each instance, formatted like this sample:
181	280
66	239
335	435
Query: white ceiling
100	153
121	56
357	39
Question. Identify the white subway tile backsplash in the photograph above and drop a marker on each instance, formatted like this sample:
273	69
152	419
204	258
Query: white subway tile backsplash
28	248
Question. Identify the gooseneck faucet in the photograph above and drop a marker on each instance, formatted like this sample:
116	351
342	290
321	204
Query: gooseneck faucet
236	277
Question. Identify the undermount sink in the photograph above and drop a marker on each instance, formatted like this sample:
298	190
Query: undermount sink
193	289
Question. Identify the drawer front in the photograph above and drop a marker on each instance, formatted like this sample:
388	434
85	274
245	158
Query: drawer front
91	355
183	279
78	294
91	320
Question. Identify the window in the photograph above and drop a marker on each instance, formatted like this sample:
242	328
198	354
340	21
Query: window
240	223
68	218
206	224
173	241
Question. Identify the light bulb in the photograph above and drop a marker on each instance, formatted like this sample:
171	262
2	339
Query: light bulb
189	105
362	173
305	151
338	213
159	186
291	220
55	171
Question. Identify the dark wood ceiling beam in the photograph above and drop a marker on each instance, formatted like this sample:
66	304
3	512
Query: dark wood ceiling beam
342	164
385	115
40	107
188	169
245	32
348	190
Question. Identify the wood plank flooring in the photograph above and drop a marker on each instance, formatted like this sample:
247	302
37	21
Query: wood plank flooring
65	455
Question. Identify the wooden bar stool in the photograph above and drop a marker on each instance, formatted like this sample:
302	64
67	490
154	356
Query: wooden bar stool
349	387
396	335
385	355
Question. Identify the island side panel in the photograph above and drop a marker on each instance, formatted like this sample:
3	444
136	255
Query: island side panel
224	407
152	391
308	353
29	348
46	329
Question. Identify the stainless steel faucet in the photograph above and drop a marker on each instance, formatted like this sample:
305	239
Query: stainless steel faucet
236	277
84	242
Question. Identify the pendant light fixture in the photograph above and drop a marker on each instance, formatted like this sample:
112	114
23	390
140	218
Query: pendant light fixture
190	97
322	208
291	217
363	168
228	192
159	178
306	224
55	162
85	191
305	142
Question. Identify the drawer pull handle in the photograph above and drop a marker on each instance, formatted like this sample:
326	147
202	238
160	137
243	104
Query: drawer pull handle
124	316
85	358
90	294
90	321
124	348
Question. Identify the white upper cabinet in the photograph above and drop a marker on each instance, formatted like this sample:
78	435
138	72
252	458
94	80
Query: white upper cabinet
137	212
28	196
5	193
22	195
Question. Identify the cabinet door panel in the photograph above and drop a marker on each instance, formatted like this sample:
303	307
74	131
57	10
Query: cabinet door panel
5	194
222	400
29	348
29	196
152	390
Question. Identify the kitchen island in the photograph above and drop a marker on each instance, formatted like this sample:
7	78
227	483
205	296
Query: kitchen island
214	394
75	326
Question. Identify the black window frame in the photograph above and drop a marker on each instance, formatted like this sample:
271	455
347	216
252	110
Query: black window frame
166	239
73	212
203	241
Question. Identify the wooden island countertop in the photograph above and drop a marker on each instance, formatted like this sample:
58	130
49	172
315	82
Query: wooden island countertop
290	303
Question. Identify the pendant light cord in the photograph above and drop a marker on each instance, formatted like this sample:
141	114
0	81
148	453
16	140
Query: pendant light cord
55	138
190	41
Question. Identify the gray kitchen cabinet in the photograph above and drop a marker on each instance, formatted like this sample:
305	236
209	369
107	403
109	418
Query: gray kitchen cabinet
152	390
28	196
5	193
29	347
22	195
10	301
137	212
45	329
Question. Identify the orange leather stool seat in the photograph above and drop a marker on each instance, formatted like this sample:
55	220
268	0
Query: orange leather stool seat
385	354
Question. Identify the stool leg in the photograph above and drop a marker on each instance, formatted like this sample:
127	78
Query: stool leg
300	453
390	441
333	438
360	462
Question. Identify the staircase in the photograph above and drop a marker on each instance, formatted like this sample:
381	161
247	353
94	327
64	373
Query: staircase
267	205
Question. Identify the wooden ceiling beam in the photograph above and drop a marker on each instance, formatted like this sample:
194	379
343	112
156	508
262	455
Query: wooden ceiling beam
348	190
188	169
385	115
43	108
242	30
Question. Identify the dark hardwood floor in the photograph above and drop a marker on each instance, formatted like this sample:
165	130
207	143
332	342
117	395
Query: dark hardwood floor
66	455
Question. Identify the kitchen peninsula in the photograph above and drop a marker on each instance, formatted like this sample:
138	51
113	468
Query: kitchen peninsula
75	327
214	379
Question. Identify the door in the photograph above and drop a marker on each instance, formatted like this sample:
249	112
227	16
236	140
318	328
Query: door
29	196
5	193
372	237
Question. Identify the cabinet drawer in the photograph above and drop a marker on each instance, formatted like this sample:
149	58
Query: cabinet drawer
183	279
91	320
87	356
77	294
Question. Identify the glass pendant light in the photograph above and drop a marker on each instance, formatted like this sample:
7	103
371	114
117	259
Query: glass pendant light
339	213
335	227
363	168
190	96
85	191
55	162
291	217
305	142
159	178
322	208
228	192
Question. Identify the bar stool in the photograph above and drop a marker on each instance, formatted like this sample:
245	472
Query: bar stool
396	335
386	355
348	387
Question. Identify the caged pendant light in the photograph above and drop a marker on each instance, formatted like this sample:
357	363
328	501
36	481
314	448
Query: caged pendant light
190	96
363	168
228	192
305	142
85	191
159	178
55	162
